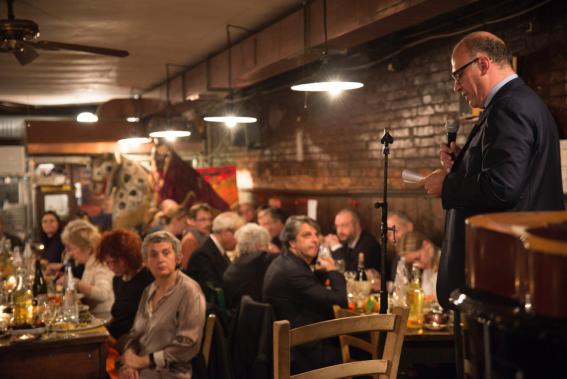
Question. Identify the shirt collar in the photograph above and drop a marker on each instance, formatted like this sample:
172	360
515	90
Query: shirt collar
353	243
497	87
217	243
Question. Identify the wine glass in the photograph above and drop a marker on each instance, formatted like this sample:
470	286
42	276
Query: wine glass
50	314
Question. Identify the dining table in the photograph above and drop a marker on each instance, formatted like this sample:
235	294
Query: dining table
55	355
430	351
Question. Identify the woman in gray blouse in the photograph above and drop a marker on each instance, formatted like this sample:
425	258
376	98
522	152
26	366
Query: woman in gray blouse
168	328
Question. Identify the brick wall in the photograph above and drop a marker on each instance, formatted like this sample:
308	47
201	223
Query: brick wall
340	150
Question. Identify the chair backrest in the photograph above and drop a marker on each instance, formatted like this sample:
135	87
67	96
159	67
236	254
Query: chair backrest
208	337
347	340
393	324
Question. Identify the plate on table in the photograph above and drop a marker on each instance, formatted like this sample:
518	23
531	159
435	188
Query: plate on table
67	327
32	331
23	338
434	326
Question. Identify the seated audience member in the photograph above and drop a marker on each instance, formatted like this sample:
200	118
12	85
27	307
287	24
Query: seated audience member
103	220
208	263
417	249
175	221
297	294
245	275
401	222
120	249
82	239
351	240
247	211
168	327
403	225
158	221
51	228
200	220
14	240
273	219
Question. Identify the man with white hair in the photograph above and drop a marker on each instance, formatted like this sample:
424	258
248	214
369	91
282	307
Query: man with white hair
209	262
245	275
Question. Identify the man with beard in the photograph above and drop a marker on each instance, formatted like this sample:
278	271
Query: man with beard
351	240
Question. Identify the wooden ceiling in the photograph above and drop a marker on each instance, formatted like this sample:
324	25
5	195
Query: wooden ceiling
155	32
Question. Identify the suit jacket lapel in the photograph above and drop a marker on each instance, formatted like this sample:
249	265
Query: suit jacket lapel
473	132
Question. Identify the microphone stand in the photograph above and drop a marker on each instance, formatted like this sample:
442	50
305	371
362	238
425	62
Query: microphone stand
386	140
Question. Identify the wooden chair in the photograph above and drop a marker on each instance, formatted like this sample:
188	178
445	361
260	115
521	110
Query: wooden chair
387	367
371	346
208	338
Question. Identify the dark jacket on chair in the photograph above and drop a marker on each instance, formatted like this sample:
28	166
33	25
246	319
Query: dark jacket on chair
251	340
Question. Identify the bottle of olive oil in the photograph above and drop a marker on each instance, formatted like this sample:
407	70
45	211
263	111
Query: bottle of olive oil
415	297
22	302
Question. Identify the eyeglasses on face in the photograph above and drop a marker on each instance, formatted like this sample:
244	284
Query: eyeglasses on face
458	73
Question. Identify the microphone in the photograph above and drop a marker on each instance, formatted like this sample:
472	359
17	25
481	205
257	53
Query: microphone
452	127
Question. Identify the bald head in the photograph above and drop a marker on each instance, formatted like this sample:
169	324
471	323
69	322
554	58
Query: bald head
485	43
479	62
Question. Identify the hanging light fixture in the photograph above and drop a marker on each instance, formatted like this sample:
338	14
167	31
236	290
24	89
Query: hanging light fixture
171	126
137	134
328	78
230	113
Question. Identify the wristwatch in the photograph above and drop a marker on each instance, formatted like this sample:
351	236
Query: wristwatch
152	362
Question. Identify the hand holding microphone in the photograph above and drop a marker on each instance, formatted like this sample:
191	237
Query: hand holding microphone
447	152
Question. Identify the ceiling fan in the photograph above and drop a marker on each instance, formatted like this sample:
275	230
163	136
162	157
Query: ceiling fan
20	37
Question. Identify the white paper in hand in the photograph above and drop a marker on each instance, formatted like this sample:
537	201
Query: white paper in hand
409	176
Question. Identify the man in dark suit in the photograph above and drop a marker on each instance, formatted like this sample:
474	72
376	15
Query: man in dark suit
510	161
245	276
208	263
298	295
273	219
351	240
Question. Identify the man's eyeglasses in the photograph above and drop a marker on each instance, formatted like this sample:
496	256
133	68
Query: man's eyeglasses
458	73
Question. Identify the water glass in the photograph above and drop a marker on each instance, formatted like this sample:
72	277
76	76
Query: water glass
341	266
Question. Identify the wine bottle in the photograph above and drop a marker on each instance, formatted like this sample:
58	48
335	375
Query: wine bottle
39	288
361	271
69	306
22	303
415	297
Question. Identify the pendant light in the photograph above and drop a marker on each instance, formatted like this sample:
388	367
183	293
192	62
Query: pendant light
137	134
171	126
229	114
329	77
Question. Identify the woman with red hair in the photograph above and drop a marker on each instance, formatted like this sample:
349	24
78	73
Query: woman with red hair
120	249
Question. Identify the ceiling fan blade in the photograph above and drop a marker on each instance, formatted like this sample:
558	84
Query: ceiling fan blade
24	53
51	45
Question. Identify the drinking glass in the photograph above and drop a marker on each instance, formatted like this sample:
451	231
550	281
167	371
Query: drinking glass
341	266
